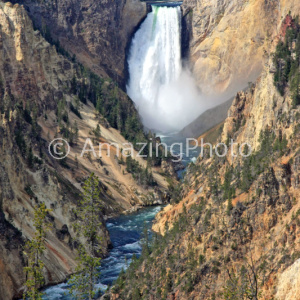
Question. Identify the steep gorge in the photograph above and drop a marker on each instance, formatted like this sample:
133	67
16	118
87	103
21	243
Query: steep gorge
36	80
233	232
96	32
45	95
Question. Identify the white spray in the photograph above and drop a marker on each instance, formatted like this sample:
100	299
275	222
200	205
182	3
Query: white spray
164	92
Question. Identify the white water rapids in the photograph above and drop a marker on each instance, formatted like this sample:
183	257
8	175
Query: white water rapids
164	92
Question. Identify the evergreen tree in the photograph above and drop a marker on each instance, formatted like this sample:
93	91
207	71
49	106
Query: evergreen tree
76	161
30	158
228	189
295	87
97	131
287	62
145	242
87	227
74	85
63	161
34	250
75	130
99	105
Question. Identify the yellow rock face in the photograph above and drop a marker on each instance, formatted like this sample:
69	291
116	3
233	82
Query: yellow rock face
230	40
289	283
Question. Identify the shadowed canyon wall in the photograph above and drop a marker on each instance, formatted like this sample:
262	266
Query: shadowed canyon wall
97	32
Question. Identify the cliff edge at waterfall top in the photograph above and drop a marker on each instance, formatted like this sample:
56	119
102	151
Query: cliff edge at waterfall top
163	89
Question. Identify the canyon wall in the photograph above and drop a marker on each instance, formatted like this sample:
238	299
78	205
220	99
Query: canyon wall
97	32
40	101
234	228
230	40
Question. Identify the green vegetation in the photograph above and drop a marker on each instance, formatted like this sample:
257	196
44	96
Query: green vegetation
229	190
27	126
34	250
245	282
259	161
287	62
116	107
110	102
97	131
174	190
45	31
142	175
87	228
75	110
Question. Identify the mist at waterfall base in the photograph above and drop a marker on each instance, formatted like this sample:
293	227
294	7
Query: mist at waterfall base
164	92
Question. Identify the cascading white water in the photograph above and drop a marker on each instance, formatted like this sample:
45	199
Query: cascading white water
165	94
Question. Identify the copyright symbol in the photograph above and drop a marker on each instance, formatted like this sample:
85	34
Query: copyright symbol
59	148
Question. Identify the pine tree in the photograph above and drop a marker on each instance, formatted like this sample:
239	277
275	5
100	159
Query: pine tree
97	131
76	161
295	88
74	85
76	131
229	206
63	161
87	227
34	250
99	105
145	242
30	158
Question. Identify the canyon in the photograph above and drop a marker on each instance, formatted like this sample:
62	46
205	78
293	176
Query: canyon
64	70
36	81
234	230
229	40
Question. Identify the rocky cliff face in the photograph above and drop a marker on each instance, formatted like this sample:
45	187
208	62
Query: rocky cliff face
12	259
229	40
225	42
31	75
97	32
44	95
235	231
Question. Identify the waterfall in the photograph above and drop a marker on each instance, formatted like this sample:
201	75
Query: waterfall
158	84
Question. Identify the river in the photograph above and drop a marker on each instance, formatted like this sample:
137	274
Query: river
157	82
178	145
125	233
